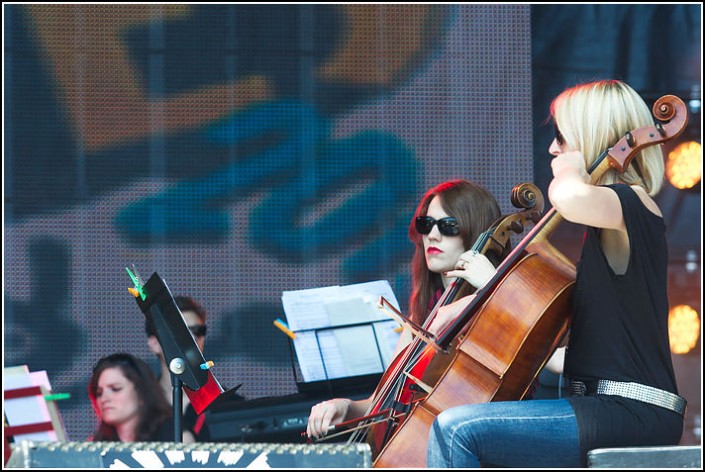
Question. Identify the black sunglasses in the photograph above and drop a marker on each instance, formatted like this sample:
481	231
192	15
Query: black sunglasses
448	226
198	330
559	137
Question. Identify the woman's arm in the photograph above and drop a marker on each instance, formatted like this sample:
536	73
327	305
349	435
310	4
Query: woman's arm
577	200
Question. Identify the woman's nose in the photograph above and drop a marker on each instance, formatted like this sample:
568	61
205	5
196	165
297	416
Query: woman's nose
435	233
554	149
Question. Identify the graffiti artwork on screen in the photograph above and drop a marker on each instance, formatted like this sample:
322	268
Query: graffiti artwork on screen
178	134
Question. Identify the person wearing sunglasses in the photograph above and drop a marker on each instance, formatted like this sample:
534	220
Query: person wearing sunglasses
128	402
447	222
618	361
194	426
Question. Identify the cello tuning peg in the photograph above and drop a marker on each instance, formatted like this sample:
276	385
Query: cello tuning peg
630	140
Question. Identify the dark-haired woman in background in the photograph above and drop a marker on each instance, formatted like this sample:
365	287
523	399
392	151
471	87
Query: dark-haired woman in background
128	401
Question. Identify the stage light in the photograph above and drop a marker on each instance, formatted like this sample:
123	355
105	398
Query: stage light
684	165
683	328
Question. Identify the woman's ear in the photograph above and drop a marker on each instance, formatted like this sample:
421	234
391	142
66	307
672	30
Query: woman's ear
154	345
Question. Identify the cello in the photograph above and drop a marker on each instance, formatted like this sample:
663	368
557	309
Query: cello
498	344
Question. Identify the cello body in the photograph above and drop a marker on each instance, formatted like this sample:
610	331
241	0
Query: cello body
503	349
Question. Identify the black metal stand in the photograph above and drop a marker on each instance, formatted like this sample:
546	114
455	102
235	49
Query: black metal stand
178	402
189	370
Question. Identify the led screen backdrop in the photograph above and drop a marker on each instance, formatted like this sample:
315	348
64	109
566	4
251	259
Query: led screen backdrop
238	151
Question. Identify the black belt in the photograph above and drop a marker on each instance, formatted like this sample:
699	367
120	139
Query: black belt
633	390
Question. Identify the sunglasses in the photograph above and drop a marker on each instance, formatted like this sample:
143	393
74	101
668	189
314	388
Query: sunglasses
447	226
197	331
559	137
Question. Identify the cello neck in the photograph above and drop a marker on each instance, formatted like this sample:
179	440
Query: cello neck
458	286
538	234
543	228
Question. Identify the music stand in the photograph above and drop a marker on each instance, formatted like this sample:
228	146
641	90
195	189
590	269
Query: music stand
337	385
189	370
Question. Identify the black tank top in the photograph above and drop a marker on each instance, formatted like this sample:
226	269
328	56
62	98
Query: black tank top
619	331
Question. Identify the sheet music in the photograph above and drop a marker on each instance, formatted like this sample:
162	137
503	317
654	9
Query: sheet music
32	409
349	350
304	309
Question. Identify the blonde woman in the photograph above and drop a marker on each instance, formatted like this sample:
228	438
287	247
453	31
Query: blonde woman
618	358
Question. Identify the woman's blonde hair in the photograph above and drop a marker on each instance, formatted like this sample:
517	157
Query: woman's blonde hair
593	116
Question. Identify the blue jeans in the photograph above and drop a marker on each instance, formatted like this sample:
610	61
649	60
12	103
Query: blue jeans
530	433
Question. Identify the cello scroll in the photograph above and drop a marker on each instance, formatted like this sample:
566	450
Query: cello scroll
495	240
672	115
